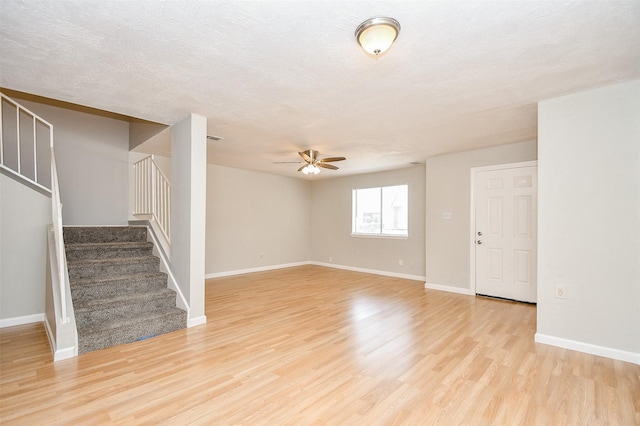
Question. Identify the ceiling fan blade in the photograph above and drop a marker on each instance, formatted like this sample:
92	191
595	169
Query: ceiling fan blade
326	166
306	156
330	159
302	167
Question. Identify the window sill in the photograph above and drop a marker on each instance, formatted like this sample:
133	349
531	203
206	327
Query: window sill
383	236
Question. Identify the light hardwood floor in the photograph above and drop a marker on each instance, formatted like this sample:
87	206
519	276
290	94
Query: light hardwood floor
312	345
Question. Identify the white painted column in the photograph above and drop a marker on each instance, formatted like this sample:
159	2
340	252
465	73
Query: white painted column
188	207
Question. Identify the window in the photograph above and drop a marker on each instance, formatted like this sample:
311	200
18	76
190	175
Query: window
381	211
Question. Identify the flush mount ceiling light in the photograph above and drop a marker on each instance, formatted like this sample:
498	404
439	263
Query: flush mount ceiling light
376	35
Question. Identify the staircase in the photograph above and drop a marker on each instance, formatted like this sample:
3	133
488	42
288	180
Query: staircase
119	294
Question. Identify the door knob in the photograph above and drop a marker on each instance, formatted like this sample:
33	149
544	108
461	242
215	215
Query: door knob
479	242
479	234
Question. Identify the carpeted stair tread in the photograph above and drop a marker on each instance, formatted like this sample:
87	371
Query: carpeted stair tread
136	259
104	234
85	291
128	330
127	299
142	276
89	268
77	251
132	244
118	308
126	321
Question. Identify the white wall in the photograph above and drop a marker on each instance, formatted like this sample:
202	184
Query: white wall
330	234
24	215
255	220
92	158
448	189
589	221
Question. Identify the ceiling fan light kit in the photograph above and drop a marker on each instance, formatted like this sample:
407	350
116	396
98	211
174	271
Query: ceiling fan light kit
310	169
376	35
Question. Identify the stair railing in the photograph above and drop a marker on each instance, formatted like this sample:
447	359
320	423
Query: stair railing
61	257
21	161
153	194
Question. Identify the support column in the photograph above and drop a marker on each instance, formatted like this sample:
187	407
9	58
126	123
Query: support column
188	208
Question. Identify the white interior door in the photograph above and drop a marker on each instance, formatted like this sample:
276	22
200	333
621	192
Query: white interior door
505	232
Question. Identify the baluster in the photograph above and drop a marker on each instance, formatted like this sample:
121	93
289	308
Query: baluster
18	137
1	131
35	152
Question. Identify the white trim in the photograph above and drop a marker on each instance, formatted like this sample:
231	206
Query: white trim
52	339
158	248
27	319
310	262
450	289
59	354
192	322
518	165
383	236
370	271
472	215
472	231
25	180
251	270
588	348
65	353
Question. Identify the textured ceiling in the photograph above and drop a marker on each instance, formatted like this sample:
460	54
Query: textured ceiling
277	77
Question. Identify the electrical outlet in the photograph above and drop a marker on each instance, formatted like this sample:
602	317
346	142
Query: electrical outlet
330	259
400	262
561	291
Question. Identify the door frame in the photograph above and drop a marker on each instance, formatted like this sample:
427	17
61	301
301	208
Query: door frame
472	213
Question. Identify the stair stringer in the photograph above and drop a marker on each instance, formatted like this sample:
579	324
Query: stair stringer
165	265
63	336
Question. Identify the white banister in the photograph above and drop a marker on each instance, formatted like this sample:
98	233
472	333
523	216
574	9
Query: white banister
56	213
153	194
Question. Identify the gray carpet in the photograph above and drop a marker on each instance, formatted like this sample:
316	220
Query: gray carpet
119	294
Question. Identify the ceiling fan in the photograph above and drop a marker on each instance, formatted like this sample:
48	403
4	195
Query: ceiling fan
312	162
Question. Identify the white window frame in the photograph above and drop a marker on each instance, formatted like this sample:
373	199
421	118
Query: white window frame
380	234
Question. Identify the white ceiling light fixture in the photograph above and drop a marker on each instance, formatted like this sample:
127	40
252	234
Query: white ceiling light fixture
376	35
311	169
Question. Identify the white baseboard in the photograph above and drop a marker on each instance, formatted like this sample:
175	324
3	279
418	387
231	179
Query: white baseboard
369	271
449	288
50	336
192	322
27	319
251	270
65	353
328	265
588	348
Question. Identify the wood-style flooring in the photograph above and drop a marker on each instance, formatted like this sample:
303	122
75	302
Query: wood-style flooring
313	346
